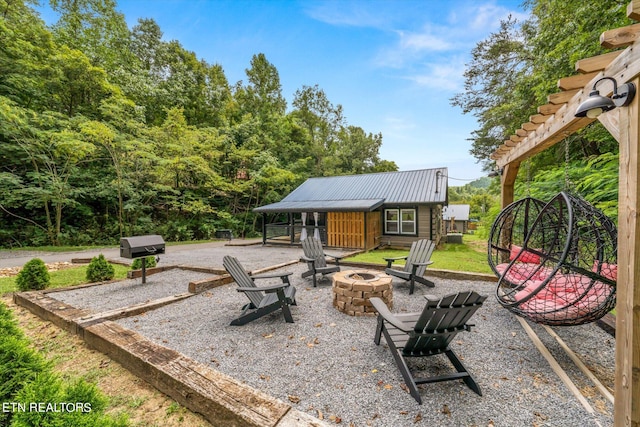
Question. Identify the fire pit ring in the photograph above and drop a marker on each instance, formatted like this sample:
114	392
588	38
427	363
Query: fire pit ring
352	290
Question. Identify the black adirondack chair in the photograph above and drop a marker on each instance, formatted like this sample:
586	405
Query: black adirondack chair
264	300
316	260
416	263
428	333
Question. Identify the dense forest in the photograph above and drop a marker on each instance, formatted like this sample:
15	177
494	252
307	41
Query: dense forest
108	131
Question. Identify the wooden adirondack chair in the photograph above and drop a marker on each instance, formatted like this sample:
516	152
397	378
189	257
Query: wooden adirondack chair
315	257
264	300
428	333
416	263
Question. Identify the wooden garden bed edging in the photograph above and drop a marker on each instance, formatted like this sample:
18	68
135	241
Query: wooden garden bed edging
220	399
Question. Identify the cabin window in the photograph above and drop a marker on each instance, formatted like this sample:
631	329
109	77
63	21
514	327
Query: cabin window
400	221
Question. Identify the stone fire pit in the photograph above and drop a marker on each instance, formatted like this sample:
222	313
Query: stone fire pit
353	288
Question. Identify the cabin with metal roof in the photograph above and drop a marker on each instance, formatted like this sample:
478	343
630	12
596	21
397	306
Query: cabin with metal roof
456	218
360	211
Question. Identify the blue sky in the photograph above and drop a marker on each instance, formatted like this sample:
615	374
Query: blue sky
393	65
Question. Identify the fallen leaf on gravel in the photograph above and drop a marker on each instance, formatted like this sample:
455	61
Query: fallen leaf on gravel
293	399
318	325
267	335
404	387
310	344
490	423
404	412
332	325
513	334
316	341
265	377
335	419
374	371
388	386
418	418
291	337
445	409
320	415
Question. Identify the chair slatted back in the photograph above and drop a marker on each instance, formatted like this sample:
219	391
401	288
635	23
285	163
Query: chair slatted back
420	252
242	278
441	321
312	248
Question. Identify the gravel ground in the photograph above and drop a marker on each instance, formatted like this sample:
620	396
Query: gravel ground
131	291
326	363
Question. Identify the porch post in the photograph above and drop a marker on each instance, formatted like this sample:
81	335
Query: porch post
292	226
264	228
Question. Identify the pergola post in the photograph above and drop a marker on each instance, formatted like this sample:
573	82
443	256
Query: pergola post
627	379
508	180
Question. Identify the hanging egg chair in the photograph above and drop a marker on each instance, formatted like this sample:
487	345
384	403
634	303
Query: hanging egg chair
556	262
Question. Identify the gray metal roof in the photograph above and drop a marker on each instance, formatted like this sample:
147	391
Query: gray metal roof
458	212
364	192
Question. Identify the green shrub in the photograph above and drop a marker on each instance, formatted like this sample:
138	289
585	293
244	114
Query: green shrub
100	270
26	378
137	263
33	276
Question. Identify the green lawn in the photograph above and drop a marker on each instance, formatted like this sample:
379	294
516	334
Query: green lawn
471	256
67	277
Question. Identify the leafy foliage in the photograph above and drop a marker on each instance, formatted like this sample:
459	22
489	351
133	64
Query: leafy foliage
149	263
107	131
516	68
33	276
26	378
100	270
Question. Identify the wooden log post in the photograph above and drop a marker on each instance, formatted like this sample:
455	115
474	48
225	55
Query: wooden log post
508	178
627	380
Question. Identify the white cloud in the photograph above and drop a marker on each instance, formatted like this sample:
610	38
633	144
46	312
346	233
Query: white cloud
447	76
425	41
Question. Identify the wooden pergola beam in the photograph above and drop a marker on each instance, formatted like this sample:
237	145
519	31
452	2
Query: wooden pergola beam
633	10
522	132
538	119
562	97
596	63
576	82
624	68
530	126
620	37
549	109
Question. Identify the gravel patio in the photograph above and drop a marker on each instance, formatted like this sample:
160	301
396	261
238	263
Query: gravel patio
326	364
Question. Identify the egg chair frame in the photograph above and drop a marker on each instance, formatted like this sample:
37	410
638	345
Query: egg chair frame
556	261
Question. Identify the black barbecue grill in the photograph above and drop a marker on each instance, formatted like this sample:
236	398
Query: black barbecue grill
141	247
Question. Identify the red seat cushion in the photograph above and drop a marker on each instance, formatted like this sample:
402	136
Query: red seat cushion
521	255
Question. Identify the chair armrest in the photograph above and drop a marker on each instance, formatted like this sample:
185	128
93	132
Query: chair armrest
272	275
305	259
423	263
390	260
396	258
267	289
415	265
383	311
338	257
